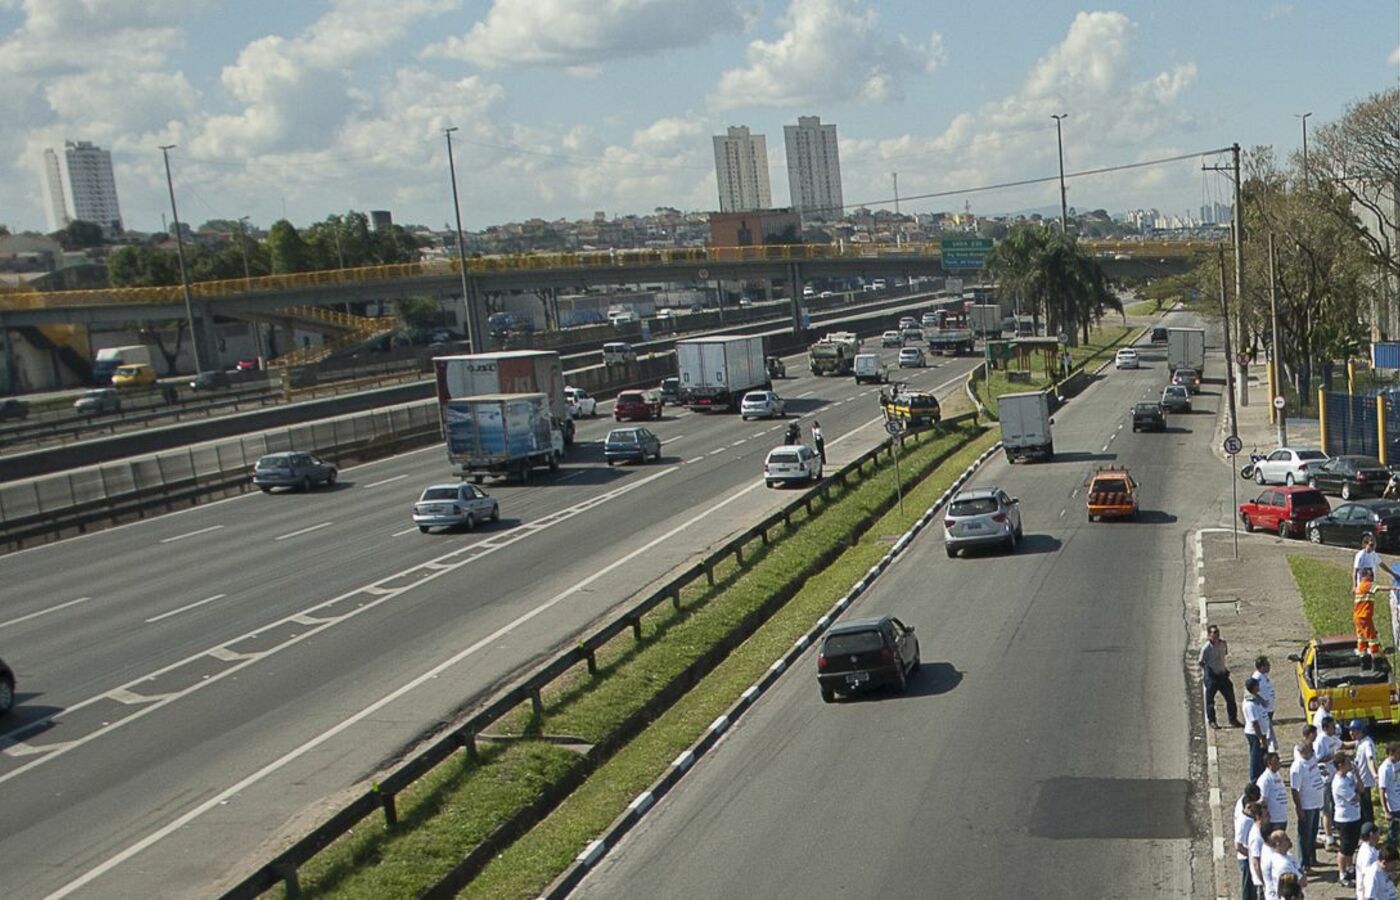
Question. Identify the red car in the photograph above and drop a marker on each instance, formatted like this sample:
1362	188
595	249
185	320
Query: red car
1284	510
637	405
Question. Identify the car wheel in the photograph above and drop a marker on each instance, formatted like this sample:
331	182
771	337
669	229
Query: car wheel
1258	475
1010	545
1283	529
1288	479
901	682
1346	491
331	477
479	479
1248	525
828	694
611	463
918	662
1315	535
743	418
305	484
554	464
7	695
265	489
952	551
496	513
469	522
422	529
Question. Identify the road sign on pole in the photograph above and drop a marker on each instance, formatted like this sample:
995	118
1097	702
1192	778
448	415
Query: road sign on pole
1233	444
1280	402
964	253
894	427
1242	358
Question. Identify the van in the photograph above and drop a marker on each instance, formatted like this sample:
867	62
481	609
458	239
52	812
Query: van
869	367
621	317
136	375
618	353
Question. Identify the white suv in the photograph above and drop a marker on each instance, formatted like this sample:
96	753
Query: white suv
797	462
982	517
761	405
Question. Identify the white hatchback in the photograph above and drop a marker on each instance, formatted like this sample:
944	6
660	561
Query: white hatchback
1127	358
797	462
891	339
580	403
912	358
761	405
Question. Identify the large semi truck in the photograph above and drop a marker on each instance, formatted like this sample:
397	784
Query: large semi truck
503	435
715	372
507	372
1186	349
834	354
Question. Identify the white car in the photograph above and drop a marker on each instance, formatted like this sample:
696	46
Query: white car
796	462
580	403
908	322
981	517
451	505
891	339
1127	358
761	405
912	358
929	320
1287	466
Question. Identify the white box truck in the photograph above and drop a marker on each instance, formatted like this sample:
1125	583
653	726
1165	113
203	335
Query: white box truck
1025	425
1186	349
507	372
985	319
504	435
715	372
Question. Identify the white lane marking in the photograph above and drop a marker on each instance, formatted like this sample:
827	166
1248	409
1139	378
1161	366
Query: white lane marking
717	452
672	440
695	460
44	612
386	480
382	590
188	534
1103	449
297	752
404	532
738	442
806	393
186	608
573	474
292	534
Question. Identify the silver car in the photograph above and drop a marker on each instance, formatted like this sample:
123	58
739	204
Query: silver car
91	403
451	505
761	405
290	469
982	517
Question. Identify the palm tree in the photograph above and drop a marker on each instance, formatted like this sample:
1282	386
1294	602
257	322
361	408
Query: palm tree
1051	273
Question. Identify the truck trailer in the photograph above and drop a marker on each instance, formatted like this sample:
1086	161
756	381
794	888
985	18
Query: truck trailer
1186	349
1025	426
715	372
834	354
507	372
503	435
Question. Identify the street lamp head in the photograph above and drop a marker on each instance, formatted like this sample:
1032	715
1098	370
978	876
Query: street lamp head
449	130
166	147
1058	116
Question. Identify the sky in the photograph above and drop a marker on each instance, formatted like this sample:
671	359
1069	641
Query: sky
563	107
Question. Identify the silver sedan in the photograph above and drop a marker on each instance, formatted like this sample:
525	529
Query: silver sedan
453	505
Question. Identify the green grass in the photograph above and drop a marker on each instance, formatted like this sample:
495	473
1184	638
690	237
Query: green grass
450	811
1144	308
531	863
1327	602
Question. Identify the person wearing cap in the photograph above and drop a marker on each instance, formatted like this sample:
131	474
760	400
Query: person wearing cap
1307	785
1367	852
1276	861
1274	791
1256	727
1364	749
1346	814
1388	780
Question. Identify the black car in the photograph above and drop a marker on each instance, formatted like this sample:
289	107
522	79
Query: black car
867	653
1159	334
11	408
635	444
1350	476
1346	524
1149	417
7	688
670	391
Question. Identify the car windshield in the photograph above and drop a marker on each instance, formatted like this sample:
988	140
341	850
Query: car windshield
973	506
852	642
1308	455
442	493
1110	486
622	437
1174	392
629	398
783	456
275	462
1146	408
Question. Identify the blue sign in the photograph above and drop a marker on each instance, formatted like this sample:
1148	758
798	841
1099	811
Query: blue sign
1385	355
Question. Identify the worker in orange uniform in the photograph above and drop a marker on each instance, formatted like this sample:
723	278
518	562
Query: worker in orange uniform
1363	616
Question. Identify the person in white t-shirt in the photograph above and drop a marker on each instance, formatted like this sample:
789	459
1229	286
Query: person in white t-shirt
1257	727
1323	711
1327	745
1377	882
1365	753
1267	695
1365	558
1307	785
1274	792
1244	823
1388	780
1259	812
1346	813
1277	861
1367	852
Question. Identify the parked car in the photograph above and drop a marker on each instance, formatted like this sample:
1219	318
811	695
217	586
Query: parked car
867	653
891	339
98	401
1149	417
1287	465
453	505
13	408
1329	667
1176	399
793	463
670	390
134	375
7	688
1352	477
982	517
580	403
247	364
1187	378
912	358
761	405
631	445
618	353
1286	511
1346	524
1126	358
637	405
292	469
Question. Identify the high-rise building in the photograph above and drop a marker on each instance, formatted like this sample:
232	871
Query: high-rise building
79	184
741	168
814	168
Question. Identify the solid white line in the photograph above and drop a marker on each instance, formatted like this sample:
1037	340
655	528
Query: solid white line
386	480
293	534
44	612
297	752
806	394
181	537
175	612
405	531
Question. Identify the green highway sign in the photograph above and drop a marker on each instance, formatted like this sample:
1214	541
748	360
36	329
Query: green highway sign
965	253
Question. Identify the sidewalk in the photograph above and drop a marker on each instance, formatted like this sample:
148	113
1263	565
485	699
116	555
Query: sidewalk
1259	610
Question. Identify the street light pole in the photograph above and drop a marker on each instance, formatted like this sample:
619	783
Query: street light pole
1276	352
895	176
1060	145
461	246
248	283
1304	118
180	255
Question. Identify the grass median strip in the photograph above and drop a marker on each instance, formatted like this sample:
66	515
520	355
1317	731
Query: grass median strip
1102	340
1326	591
451	811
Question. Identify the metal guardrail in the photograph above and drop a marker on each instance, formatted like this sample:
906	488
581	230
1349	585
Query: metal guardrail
383	796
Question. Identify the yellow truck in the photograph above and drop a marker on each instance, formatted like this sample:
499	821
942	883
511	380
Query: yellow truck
1329	665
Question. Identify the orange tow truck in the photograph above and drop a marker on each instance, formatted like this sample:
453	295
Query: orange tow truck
1112	494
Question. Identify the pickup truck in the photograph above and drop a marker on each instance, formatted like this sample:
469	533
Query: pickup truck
1330	666
1112	494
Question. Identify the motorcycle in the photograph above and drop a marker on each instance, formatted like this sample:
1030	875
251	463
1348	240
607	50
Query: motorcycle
1247	470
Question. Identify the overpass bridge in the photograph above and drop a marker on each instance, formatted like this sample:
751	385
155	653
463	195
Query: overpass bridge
792	264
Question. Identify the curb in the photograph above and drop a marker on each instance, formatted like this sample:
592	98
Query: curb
598	848
1213	779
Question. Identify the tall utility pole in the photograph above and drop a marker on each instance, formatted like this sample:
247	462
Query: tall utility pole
1304	118
1239	272
180	255
1060	145
1225	322
248	277
1275	375
461	247
897	229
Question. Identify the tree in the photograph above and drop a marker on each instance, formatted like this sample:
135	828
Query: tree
142	265
1359	156
416	315
1051	274
78	235
286	250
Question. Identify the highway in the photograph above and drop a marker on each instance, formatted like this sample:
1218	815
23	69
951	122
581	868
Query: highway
216	677
1042	751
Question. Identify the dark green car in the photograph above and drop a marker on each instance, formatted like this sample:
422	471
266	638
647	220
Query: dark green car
1149	417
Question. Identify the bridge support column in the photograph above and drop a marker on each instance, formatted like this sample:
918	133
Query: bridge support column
472	318
204	338
11	369
795	285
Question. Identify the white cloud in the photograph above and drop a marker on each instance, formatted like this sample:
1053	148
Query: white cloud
829	51
574	33
1395	57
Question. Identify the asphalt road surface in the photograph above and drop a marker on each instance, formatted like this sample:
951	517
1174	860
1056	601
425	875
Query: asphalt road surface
1042	751
217	677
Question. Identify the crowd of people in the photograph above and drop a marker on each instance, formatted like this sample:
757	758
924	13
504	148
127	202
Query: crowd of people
1328	785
